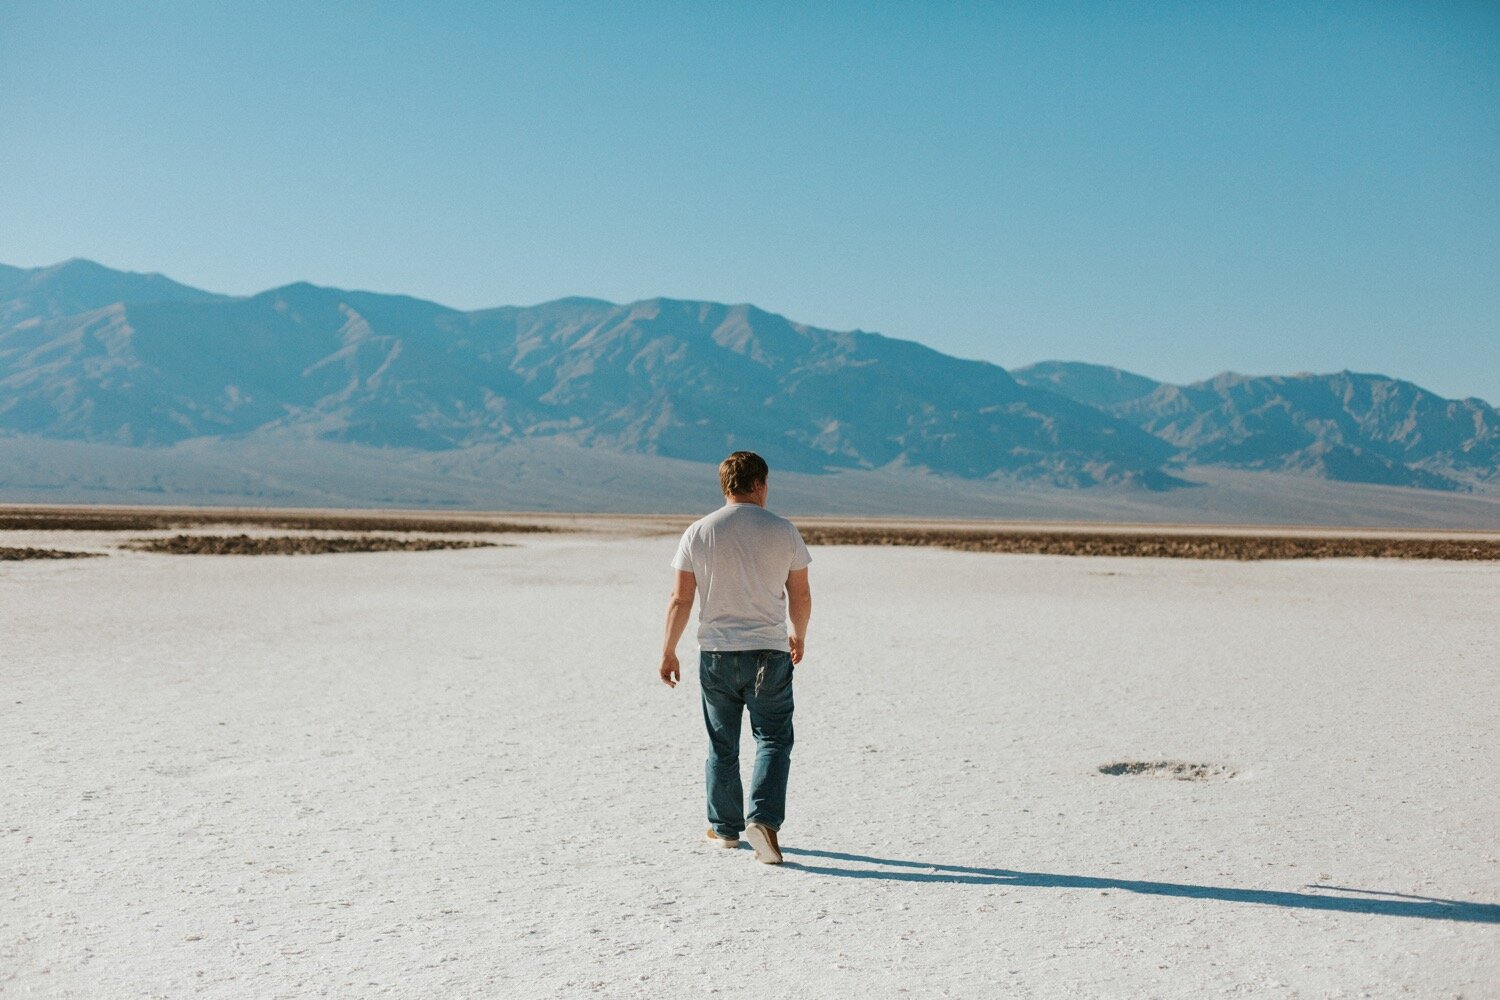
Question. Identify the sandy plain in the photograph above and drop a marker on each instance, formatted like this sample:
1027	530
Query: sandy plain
453	773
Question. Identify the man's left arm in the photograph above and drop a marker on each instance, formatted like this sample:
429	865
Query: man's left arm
678	612
799	606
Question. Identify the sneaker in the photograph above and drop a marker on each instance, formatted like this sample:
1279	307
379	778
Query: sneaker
718	841
763	839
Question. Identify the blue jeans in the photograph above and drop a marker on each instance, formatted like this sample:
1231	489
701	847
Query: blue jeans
760	680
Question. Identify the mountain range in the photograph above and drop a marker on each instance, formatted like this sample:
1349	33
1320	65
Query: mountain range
91	354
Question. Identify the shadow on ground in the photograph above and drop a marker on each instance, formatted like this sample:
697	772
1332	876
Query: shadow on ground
1387	904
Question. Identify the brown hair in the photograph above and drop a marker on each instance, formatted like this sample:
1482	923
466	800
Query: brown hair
741	473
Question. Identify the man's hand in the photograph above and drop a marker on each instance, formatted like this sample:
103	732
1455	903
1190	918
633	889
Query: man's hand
795	641
671	673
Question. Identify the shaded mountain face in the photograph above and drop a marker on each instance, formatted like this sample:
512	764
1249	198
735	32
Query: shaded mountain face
1346	426
688	380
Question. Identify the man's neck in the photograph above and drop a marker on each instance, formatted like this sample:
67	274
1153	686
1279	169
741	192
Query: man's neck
746	501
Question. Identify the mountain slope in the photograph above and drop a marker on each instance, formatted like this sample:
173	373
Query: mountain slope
78	286
1093	385
680	379
1345	426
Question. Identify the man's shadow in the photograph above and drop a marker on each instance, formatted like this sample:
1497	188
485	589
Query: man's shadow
1387	904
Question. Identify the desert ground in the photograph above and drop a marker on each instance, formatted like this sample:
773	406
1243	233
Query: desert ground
453	773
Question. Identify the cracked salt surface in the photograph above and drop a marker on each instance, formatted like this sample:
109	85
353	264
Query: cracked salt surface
454	774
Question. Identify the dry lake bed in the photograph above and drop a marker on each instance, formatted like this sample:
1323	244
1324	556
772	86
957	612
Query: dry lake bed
453	773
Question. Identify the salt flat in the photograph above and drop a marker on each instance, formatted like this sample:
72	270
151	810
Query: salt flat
454	774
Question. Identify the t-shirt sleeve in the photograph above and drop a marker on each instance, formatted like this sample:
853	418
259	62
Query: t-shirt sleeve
683	560
801	558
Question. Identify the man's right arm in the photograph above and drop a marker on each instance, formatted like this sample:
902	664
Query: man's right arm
799	609
678	610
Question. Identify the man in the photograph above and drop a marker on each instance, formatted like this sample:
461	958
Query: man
748	566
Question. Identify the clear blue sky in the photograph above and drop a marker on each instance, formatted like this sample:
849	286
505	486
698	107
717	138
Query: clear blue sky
1173	188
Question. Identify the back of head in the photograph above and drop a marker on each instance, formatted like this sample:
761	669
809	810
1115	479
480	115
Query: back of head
741	473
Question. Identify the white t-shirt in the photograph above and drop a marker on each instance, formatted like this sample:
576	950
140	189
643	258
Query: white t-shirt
741	555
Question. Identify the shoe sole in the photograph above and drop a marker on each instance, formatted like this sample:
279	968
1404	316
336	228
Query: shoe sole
764	852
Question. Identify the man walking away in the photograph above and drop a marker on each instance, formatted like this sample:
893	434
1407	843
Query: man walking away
748	566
